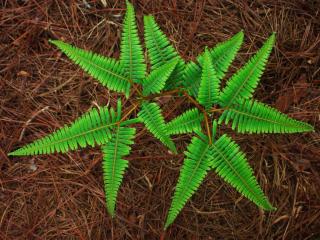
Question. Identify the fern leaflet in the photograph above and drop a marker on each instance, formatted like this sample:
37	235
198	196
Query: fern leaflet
160	51
151	116
155	82
214	129
209	85
192	173
243	83
187	122
91	128
250	116
223	54
231	164
131	56
113	163
106	70
221	57
192	78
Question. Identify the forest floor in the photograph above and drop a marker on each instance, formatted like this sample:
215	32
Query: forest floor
61	196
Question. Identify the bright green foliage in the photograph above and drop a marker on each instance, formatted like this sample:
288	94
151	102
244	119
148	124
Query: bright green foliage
223	54
231	164
209	85
160	51
225	157
187	122
192	78
106	70
193	171
151	116
131	56
175	80
243	83
201	80
113	163
155	82
250	116
221	57
91	129
214	129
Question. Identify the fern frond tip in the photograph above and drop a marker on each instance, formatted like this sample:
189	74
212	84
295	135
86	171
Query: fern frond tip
56	42
14	153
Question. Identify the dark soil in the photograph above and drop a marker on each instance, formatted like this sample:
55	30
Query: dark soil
61	196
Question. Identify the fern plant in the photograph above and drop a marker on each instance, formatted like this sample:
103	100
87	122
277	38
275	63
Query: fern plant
199	82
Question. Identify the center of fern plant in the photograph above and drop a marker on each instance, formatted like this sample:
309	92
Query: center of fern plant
199	82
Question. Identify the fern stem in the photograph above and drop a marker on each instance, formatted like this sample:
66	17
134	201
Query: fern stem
165	93
135	88
217	110
194	102
204	113
129	112
208	128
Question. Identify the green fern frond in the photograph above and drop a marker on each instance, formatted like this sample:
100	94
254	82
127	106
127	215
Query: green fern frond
158	46
151	116
221	57
193	171
160	51
209	85
192	78
106	70
113	163
175	80
131	56
223	54
187	122
243	83
250	116
91	128
155	82
231	164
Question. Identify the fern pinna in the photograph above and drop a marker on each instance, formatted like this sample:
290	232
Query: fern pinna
199	82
